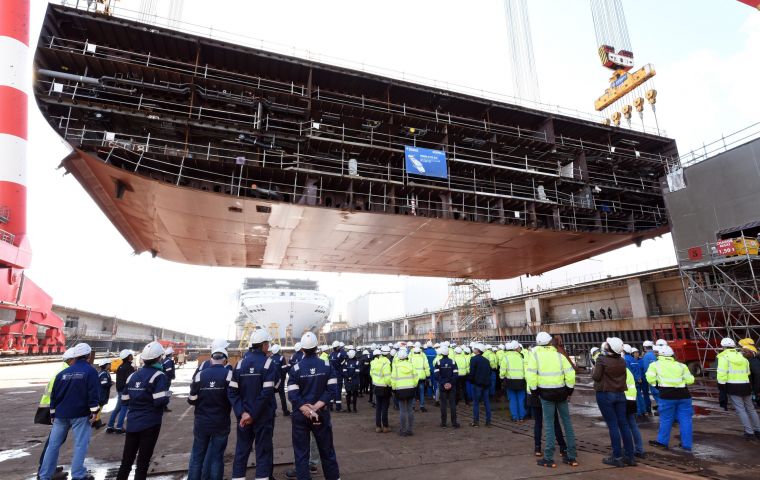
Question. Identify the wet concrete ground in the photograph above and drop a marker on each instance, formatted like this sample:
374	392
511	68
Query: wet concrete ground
502	451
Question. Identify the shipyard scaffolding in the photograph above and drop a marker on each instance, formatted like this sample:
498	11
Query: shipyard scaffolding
471	306
720	281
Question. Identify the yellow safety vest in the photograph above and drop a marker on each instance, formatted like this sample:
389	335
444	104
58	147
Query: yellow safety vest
732	367
630	383
421	365
667	372
512	366
325	357
547	368
403	375
45	400
500	356
463	363
491	359
380	371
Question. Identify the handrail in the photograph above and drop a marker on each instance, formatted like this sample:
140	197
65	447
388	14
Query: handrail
723	144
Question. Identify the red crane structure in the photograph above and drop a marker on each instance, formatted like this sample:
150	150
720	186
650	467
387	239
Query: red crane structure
29	306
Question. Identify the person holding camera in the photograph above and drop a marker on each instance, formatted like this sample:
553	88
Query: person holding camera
312	384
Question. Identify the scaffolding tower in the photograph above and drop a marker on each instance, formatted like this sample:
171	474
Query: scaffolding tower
471	306
722	295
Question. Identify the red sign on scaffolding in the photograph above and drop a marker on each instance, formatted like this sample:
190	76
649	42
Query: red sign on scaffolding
695	254
725	247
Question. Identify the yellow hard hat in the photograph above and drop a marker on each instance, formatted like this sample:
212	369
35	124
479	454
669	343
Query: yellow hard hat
746	341
751	348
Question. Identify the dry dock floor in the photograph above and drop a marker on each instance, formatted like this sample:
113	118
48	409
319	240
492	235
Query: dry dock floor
504	450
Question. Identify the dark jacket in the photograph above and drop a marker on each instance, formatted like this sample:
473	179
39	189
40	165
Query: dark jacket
446	371
145	395
252	386
609	373
208	393
104	378
480	371
76	391
754	376
122	374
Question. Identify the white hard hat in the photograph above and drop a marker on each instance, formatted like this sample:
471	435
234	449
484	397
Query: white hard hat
397	345
351	353
365	352
275	348
443	350
634	349
219	349
152	351
648	344
458	350
615	344
341	344
335	344
376	352
219	343
417	345
627	348
259	336
666	351
466	349
437	345
374	346
660	342
350	347
385	349
479	347
104	361
428	344
543	338
593	350
393	352
125	353
168	351
510	345
445	342
297	346
308	341
502	346
402	353
727	343
78	350
417	350
68	354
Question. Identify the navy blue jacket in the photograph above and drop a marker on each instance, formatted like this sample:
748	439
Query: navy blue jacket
310	381
281	366
446	371
252	386
480	371
168	365
76	391
145	395
337	359
206	364
208	393
104	378
364	363
350	374
295	358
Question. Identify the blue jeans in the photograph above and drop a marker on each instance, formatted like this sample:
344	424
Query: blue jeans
613	408
207	457
516	403
480	394
421	388
645	393
669	411
638	445
81	429
118	415
492	386
641	406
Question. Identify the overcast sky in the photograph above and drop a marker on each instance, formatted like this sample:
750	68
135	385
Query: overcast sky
705	53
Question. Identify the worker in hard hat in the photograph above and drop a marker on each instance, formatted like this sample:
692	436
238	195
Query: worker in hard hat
430	353
512	373
447	373
282	371
631	410
462	362
211	427
217	343
74	402
43	417
750	351
671	378
337	359
733	379
350	374
493	363
251	394
146	395
105	382
364	379
647	359
119	413
169	367
551	376
380	370
404	380
610	385
311	387
420	363
634	366
480	377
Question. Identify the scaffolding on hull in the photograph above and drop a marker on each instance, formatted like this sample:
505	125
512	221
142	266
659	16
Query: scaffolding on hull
722	295
471	306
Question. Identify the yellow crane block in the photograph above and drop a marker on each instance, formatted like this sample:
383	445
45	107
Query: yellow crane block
622	83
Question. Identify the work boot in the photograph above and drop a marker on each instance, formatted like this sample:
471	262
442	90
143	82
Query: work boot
474	424
443	425
110	430
456	425
59	476
97	425
378	430
386	429
631	462
119	431
612	461
423	409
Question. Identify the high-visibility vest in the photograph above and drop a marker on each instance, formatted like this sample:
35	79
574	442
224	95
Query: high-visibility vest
421	365
45	400
463	363
491	359
325	357
436	360
630	384
732	367
403	375
667	372
500	356
547	368
511	366
380	371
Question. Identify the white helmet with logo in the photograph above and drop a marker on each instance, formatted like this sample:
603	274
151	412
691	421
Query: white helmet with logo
152	351
259	336
125	353
727	343
275	348
615	344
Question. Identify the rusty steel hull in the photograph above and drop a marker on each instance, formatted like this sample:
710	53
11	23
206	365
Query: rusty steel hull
203	228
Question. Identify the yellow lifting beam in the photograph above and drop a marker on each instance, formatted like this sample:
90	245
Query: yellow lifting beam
622	83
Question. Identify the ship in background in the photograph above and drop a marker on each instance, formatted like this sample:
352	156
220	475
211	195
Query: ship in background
295	303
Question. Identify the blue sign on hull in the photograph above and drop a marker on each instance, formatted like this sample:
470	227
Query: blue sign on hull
426	162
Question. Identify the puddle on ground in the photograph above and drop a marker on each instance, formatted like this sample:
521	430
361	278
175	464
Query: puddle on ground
11	454
108	471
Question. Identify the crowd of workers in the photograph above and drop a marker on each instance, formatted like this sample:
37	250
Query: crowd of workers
538	383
